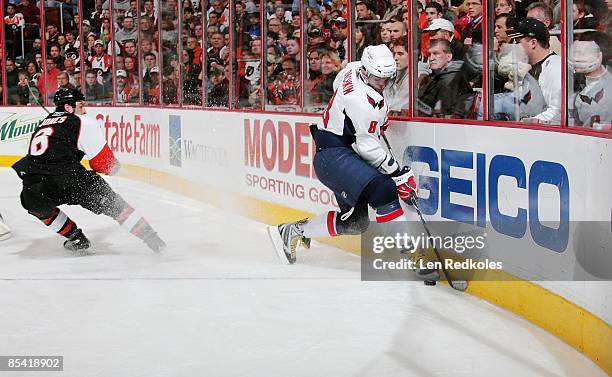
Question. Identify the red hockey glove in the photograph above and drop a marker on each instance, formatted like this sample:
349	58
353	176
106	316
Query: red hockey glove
406	185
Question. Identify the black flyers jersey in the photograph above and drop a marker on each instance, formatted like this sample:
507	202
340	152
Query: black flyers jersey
60	143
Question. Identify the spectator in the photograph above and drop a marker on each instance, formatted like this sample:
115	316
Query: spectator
339	35
472	32
123	92
13	24
362	40
51	78
285	89
146	28
71	69
545	67
330	66
26	92
543	13
94	91
441	28
30	11
12	79
129	49
583	18
505	6
149	11
35	49
314	77
447	91
151	94
293	49
218	96
54	53
63	81
385	33
503	23
397	92
593	104
127	32
394	11
396	30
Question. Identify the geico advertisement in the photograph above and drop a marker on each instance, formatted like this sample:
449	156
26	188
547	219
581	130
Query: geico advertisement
278	164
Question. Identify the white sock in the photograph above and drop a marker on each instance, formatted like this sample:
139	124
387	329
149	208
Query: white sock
323	225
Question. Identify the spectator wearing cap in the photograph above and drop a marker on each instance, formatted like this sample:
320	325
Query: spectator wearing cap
339	36
152	90
543	13
122	90
397	92
545	66
441	28
101	63
447	90
593	104
85	27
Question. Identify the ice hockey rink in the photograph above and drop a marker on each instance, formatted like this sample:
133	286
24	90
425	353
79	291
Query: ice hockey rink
218	302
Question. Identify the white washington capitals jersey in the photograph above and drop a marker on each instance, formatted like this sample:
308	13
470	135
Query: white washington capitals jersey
358	111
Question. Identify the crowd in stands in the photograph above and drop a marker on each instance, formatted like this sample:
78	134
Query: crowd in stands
189	53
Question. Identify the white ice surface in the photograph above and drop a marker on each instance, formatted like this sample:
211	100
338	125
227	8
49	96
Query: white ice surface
219	303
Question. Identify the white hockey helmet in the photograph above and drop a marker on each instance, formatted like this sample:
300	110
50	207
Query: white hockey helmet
378	61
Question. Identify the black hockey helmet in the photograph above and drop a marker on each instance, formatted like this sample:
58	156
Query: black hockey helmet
68	96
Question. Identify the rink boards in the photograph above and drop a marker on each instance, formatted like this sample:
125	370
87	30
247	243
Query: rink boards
507	180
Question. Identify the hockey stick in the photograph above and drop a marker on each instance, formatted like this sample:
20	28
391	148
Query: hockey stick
460	285
36	98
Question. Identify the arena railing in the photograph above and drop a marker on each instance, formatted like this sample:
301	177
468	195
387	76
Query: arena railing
249	56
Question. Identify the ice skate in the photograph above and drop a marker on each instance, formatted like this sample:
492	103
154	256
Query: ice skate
423	273
5	231
287	238
78	244
155	243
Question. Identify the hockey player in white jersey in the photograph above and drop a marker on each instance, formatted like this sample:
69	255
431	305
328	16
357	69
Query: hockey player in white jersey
351	159
5	231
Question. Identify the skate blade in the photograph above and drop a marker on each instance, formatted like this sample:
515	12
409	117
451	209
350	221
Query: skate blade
5	236
277	242
83	253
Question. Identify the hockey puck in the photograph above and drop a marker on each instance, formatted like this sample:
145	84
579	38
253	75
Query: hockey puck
429	282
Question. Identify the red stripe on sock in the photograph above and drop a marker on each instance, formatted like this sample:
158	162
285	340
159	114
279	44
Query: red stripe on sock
67	227
50	219
331	223
140	225
390	216
124	215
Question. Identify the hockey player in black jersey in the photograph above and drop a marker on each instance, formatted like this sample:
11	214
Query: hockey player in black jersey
52	174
